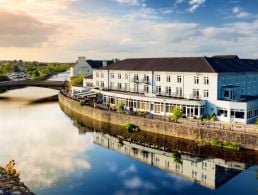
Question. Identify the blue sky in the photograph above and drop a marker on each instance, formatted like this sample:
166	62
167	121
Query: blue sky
61	30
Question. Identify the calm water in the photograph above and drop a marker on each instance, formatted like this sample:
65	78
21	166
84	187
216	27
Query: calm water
56	156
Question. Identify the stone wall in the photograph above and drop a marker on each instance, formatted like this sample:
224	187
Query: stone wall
249	140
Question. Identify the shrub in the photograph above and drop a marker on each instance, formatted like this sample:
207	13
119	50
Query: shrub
176	113
216	143
121	106
3	77
130	127
77	80
213	118
10	169
231	145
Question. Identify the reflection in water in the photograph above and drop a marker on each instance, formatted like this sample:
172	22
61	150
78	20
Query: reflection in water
44	143
208	167
209	172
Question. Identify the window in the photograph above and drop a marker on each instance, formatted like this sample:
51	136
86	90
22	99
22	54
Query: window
168	78
179	79
102	84
111	85
119	86
102	75
196	80
204	177
97	75
97	83
206	80
179	92
158	90
126	76
222	112
146	79
136	88
157	77
126	86
226	93
136	77
112	75
146	88
194	174
168	91
204	165
119	76
205	93
195	93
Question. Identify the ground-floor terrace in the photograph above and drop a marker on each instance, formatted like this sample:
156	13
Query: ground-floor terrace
226	111
162	106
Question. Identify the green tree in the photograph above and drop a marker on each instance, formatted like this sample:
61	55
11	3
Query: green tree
77	80
176	113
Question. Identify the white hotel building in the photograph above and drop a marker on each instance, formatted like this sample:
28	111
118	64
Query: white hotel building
225	86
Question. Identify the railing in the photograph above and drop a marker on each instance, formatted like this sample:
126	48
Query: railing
184	121
172	94
136	80
146	81
194	96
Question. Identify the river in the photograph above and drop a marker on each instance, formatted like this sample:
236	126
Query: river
57	154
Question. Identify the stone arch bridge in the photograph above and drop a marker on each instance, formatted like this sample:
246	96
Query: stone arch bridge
31	83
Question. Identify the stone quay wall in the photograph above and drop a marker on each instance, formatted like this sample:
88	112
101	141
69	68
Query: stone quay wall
247	140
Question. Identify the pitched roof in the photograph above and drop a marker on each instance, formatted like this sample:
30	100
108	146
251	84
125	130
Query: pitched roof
98	63
214	64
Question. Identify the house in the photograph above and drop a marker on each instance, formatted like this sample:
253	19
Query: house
221	86
85	66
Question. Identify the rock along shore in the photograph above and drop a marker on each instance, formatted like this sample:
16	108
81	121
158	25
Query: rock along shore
11	185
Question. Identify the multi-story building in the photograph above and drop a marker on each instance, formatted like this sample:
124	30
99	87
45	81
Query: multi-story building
208	172
223	86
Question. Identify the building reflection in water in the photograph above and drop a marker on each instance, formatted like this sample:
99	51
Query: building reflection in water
208	172
208	166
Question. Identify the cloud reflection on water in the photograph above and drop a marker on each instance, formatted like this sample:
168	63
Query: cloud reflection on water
44	143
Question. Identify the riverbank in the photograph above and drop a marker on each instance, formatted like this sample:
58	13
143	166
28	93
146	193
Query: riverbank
10	184
246	140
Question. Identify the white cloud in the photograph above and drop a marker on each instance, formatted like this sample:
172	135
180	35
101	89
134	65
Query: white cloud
237	11
112	166
179	1
138	33
129	2
195	4
129	170
137	183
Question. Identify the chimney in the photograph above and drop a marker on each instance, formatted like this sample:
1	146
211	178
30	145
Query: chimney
81	59
104	63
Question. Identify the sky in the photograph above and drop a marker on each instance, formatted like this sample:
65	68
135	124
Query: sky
62	30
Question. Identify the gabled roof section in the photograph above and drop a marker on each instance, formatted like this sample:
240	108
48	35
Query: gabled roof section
98	63
181	64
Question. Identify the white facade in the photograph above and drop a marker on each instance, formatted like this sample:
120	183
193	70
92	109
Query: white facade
81	67
196	92
85	66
